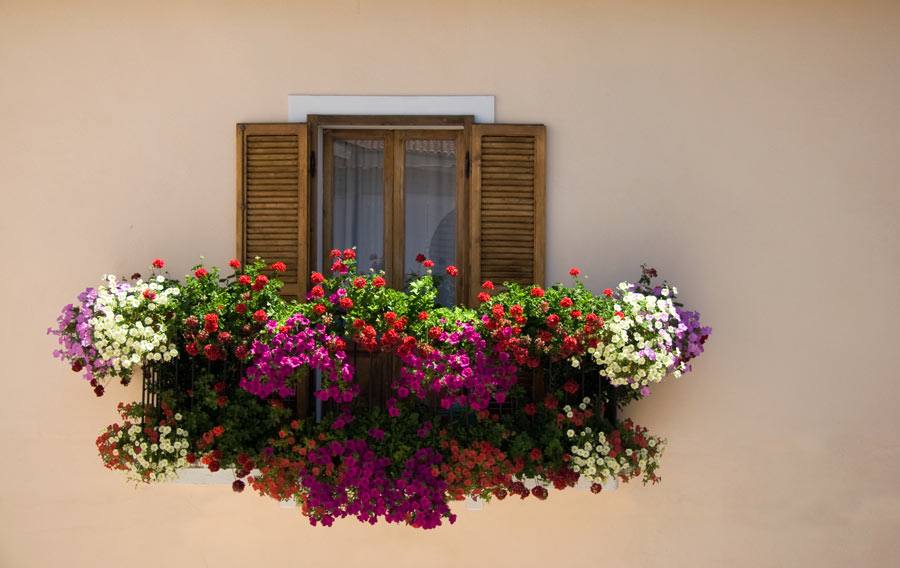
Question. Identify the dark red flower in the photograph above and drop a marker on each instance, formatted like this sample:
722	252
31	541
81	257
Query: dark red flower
149	294
98	390
240	308
237	486
553	320
77	365
192	349
214	466
596	488
530	409
200	272
536	454
158	263
222	401
570	387
219	387
420	258
241	351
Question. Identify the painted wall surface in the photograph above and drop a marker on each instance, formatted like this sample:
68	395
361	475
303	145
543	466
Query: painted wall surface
749	150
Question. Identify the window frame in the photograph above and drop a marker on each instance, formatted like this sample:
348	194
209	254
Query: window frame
401	127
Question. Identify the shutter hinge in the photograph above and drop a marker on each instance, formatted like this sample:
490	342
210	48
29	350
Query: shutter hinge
468	165
312	164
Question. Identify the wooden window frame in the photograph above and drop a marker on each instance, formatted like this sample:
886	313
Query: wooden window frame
395	129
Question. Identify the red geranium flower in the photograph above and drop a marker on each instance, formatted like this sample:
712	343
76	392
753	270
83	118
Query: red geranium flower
536	454
149	294
240	308
537	292
346	303
488	285
158	263
359	324
423	316
260	315
200	272
434	332
420	258
570	387
335	253
378	282
428	263
244	279
574	272
621	315
608	292
566	302
234	263
359	282
484	297
278	267
338	266
390	317
319	309
317	292
317	278
241	351
192	349
530	409
452	270
553	320
349	254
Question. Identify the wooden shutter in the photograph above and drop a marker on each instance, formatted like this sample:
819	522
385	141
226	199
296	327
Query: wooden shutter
273	200
507	205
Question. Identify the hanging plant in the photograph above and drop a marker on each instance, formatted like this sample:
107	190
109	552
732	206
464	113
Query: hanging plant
525	386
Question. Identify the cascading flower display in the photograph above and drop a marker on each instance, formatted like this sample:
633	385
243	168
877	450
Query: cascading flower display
515	397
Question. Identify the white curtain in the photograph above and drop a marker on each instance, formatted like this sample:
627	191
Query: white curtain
359	200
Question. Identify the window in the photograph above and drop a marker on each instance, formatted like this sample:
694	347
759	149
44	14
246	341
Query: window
462	193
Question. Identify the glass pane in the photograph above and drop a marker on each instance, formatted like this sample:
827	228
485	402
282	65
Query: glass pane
430	199
358	191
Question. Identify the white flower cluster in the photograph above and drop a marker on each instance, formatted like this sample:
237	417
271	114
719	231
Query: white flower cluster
157	462
591	454
640	350
126	328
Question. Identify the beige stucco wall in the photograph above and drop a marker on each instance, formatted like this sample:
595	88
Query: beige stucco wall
747	149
